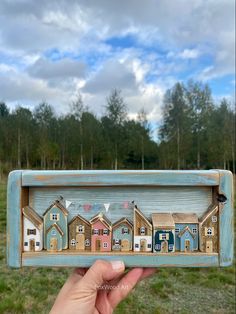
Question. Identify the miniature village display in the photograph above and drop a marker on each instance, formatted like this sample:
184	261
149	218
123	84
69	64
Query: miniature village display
145	218
165	233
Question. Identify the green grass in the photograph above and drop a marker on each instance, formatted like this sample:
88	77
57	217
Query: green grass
170	290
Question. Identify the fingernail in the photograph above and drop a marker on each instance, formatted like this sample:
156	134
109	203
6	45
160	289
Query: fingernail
117	265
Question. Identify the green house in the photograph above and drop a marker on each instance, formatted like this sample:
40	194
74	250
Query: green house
122	235
56	215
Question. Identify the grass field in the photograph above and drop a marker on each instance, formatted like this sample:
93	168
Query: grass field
170	290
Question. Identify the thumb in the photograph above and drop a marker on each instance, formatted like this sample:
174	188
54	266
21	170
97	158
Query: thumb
100	272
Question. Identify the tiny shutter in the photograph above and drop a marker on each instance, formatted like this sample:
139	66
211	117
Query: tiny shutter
145	231
34	231
28	231
120	242
50	216
113	241
122	230
108	231
206	231
128	230
92	231
212	228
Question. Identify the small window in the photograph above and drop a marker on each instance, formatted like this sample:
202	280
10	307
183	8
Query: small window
26	244
194	230
214	218
54	217
125	230
149	245
80	229
87	242
73	242
177	230
209	231
105	231
171	247
53	232
164	236
136	245
31	231
117	241
142	231
95	231
37	243
157	247
105	244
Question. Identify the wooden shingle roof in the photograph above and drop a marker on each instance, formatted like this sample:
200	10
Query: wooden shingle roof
185	218
103	219
58	205
31	214
122	220
163	220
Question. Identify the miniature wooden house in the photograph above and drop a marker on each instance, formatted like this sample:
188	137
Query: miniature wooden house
163	232
142	232
186	232
79	234
101	230
33	230
122	235
208	230
55	227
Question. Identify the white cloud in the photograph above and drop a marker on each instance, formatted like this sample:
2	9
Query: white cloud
189	54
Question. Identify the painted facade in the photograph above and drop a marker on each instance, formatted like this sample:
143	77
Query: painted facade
32	230
142	232
122	235
54	238
101	233
163	233
209	230
79	234
186	232
56	214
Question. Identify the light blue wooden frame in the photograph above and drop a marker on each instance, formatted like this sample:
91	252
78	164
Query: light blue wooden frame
21	179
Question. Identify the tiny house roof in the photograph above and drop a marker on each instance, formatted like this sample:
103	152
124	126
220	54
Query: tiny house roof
122	220
31	214
58	205
138	211
57	227
185	218
210	211
163	220
79	217
103	219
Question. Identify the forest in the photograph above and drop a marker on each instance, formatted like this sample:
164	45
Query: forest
195	133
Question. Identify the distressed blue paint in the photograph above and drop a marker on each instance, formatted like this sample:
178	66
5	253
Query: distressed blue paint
14	219
53	233
193	241
120	177
118	235
183	238
226	219
131	260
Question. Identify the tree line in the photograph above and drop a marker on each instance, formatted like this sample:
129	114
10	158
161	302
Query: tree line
195	133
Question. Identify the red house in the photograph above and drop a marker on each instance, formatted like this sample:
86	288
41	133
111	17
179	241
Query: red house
101	229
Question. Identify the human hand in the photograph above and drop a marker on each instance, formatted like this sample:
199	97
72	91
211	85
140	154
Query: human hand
98	289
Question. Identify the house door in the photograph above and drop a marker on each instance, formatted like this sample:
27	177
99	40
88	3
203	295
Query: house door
209	246
98	245
80	241
53	244
143	245
187	246
32	245
164	246
125	245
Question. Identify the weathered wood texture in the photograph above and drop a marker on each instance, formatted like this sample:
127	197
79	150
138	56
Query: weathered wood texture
173	191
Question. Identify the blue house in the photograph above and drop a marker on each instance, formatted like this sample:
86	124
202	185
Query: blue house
55	226
122	235
163	233
186	232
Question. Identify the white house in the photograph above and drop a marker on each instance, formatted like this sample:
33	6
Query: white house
33	230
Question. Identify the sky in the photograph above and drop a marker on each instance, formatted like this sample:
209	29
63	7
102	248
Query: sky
53	50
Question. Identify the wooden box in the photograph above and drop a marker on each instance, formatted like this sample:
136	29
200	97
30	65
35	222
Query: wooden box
176	204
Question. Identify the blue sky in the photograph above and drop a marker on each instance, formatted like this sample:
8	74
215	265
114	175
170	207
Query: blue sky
53	50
